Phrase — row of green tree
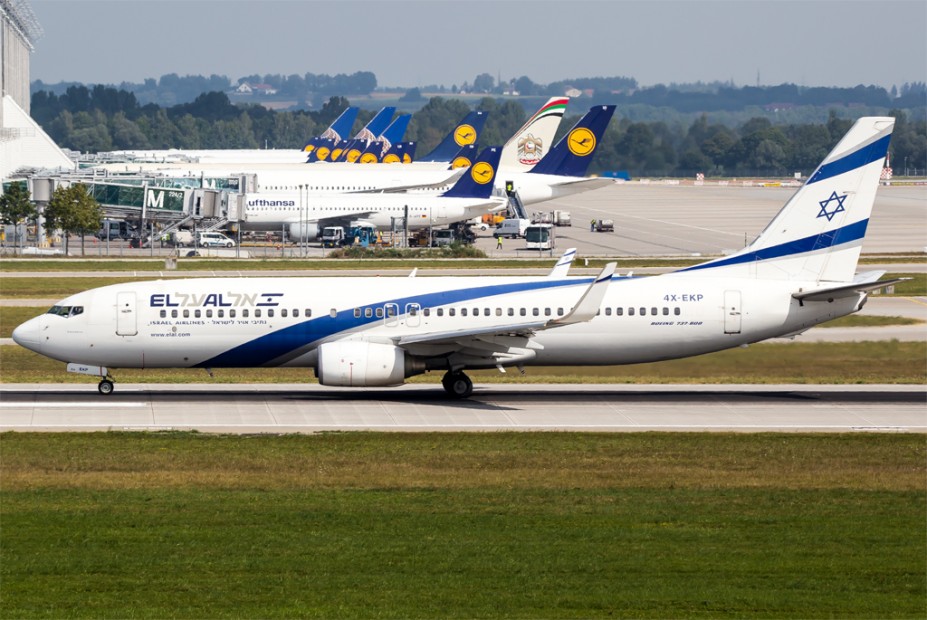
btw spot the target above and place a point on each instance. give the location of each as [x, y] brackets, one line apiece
[71, 209]
[313, 89]
[104, 119]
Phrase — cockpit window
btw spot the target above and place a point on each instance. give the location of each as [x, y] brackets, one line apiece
[66, 311]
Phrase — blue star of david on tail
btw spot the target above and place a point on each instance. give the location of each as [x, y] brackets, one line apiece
[825, 203]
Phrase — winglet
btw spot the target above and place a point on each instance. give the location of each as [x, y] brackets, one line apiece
[562, 268]
[588, 305]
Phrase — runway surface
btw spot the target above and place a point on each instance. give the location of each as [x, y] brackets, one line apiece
[309, 408]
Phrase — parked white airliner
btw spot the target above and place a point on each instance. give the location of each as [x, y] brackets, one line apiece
[377, 331]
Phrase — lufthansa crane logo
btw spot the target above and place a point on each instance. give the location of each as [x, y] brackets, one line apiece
[335, 154]
[406, 158]
[352, 155]
[461, 162]
[464, 135]
[322, 153]
[368, 158]
[581, 142]
[392, 158]
[481, 172]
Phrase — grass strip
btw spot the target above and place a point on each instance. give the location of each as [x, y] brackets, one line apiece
[792, 362]
[491, 525]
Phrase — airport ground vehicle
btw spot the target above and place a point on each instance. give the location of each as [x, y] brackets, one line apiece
[332, 236]
[114, 229]
[605, 225]
[540, 237]
[179, 238]
[512, 227]
[562, 218]
[213, 240]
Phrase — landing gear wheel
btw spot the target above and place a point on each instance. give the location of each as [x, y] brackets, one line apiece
[106, 387]
[457, 384]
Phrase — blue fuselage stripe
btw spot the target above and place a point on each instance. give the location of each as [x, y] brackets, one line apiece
[269, 347]
[828, 239]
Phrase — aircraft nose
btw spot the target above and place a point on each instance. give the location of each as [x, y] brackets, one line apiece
[29, 333]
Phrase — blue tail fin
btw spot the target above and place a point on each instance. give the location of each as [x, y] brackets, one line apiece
[571, 156]
[464, 157]
[322, 150]
[466, 132]
[396, 130]
[372, 153]
[338, 130]
[478, 181]
[401, 152]
[376, 125]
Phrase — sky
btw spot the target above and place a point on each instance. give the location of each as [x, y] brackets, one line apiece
[418, 43]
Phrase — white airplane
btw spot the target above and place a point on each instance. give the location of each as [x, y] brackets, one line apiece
[377, 331]
[304, 215]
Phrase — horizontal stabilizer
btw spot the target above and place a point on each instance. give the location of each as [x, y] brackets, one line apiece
[863, 283]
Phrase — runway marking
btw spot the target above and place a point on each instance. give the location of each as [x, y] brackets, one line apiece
[54, 405]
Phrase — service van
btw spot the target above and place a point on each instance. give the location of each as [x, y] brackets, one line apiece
[213, 240]
[512, 227]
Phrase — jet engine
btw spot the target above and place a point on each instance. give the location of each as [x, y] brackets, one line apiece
[360, 364]
[304, 230]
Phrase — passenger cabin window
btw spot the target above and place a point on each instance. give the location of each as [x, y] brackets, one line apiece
[257, 313]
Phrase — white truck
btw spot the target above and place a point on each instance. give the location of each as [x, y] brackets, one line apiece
[562, 218]
[512, 227]
[332, 236]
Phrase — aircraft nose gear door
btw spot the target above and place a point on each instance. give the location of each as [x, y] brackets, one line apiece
[126, 324]
[732, 315]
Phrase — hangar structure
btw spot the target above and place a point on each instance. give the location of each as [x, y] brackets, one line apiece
[23, 144]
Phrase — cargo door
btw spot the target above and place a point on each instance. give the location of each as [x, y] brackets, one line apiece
[732, 312]
[126, 314]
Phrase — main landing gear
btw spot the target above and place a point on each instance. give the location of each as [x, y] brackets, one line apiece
[457, 384]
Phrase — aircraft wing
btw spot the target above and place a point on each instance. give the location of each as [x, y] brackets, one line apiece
[511, 342]
[436, 186]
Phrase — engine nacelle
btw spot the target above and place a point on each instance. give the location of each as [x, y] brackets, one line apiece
[303, 230]
[360, 364]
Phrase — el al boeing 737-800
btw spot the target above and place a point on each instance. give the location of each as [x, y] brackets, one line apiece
[377, 331]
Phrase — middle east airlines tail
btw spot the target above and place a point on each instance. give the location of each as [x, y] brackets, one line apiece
[465, 132]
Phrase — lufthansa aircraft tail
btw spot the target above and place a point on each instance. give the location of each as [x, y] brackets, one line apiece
[477, 182]
[400, 153]
[571, 156]
[466, 132]
[529, 144]
[818, 234]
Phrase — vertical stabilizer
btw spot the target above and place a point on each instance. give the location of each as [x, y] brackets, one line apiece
[477, 182]
[529, 144]
[465, 132]
[818, 234]
[573, 153]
